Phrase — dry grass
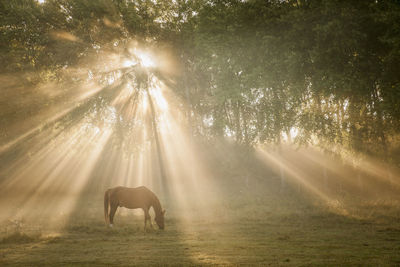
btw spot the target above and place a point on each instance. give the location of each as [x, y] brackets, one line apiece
[280, 230]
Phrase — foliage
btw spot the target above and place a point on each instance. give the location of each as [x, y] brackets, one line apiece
[321, 72]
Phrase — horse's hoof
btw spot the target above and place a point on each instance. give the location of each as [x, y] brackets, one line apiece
[111, 225]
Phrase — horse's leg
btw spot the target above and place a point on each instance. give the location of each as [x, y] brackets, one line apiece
[146, 217]
[112, 213]
[151, 224]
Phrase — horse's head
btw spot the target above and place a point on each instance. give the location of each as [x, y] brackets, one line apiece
[160, 219]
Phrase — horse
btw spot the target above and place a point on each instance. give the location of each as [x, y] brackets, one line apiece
[133, 198]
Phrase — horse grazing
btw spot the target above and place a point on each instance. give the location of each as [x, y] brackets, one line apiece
[133, 198]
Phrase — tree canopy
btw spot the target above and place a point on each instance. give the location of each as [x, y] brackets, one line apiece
[305, 71]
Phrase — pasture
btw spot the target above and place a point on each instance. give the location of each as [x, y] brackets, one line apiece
[253, 226]
[268, 130]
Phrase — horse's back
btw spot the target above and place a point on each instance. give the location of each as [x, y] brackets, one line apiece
[138, 197]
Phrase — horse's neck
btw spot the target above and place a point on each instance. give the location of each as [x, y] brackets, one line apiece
[156, 206]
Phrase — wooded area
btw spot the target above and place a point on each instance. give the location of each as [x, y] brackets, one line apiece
[313, 72]
[269, 131]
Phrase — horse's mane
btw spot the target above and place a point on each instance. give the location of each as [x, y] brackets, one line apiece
[156, 205]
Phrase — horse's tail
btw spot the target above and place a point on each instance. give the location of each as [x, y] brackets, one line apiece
[106, 204]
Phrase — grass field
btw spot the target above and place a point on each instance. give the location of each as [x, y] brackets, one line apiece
[249, 228]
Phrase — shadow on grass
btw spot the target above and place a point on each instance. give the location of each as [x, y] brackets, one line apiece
[88, 242]
[256, 230]
[19, 238]
[251, 226]
[291, 229]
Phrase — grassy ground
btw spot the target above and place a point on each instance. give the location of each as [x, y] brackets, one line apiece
[248, 230]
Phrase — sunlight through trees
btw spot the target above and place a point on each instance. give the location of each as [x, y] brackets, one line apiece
[201, 101]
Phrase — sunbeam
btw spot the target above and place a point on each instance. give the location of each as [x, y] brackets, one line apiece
[196, 133]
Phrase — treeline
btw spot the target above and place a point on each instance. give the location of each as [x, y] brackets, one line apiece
[321, 72]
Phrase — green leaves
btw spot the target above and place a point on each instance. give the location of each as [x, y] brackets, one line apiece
[257, 69]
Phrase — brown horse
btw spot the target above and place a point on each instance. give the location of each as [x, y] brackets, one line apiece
[133, 198]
